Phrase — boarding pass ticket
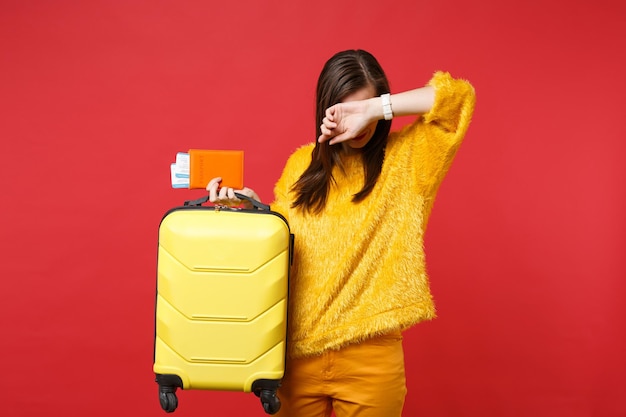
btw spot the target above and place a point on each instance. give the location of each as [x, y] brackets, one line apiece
[179, 171]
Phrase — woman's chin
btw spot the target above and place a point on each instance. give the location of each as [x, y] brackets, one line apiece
[360, 141]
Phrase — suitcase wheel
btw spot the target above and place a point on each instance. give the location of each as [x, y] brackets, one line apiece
[167, 398]
[167, 391]
[266, 389]
[168, 401]
[270, 402]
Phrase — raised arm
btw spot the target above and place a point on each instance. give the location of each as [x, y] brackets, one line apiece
[412, 102]
[345, 121]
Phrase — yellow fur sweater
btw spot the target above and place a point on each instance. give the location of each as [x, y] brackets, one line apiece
[359, 269]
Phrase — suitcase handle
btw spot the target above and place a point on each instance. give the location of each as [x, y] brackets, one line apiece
[255, 203]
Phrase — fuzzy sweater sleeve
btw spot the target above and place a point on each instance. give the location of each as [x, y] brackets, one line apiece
[453, 107]
[434, 138]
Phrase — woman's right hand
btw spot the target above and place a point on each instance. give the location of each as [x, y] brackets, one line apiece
[226, 195]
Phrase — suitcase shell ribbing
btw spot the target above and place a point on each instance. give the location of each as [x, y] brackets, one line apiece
[221, 305]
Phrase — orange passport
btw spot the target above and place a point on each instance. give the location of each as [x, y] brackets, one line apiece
[205, 165]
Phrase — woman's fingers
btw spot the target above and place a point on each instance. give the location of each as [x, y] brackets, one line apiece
[328, 123]
[212, 187]
[330, 113]
[248, 193]
[214, 182]
[326, 131]
[226, 195]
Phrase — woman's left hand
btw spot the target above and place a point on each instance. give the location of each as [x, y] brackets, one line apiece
[345, 121]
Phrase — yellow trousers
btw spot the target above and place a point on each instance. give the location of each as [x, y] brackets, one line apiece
[365, 380]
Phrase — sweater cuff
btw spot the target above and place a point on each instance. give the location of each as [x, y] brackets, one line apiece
[454, 102]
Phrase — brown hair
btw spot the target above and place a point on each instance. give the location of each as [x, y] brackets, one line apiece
[343, 74]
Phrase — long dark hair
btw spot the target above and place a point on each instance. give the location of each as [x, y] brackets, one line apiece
[343, 74]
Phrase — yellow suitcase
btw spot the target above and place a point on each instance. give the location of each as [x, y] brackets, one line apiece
[221, 305]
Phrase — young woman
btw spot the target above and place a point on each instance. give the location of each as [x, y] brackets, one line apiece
[358, 201]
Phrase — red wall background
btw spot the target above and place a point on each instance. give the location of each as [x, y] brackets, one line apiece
[526, 242]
